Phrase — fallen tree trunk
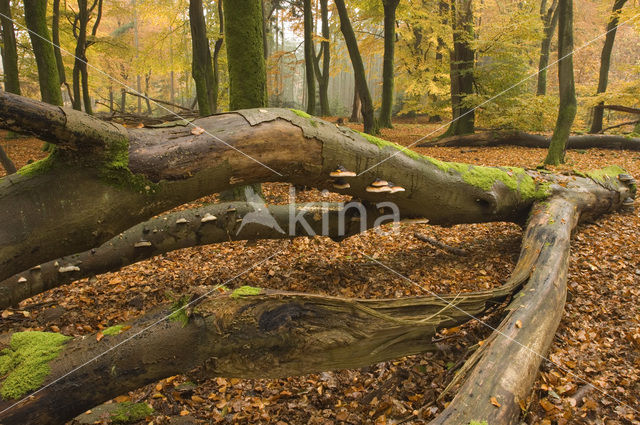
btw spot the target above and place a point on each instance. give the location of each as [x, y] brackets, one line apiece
[231, 221]
[528, 140]
[103, 178]
[247, 333]
[622, 108]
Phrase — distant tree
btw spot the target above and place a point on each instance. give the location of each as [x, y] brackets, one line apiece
[309, 57]
[322, 75]
[83, 42]
[462, 59]
[568, 102]
[216, 53]
[390, 7]
[370, 123]
[9, 51]
[550, 22]
[202, 65]
[605, 63]
[35, 15]
[55, 37]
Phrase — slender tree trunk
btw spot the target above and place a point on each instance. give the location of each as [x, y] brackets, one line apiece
[123, 100]
[550, 22]
[55, 37]
[356, 109]
[6, 162]
[386, 109]
[9, 50]
[462, 59]
[247, 70]
[309, 58]
[325, 49]
[216, 53]
[370, 122]
[202, 67]
[605, 63]
[568, 102]
[35, 15]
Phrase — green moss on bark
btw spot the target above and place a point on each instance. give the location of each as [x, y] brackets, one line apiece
[26, 362]
[113, 330]
[128, 412]
[244, 291]
[179, 310]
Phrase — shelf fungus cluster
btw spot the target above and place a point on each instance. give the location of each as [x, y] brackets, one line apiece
[383, 186]
[339, 173]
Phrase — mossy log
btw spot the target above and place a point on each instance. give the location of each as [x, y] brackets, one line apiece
[528, 140]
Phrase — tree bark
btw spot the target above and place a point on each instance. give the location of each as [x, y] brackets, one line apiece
[165, 234]
[568, 102]
[202, 66]
[322, 75]
[356, 109]
[520, 138]
[370, 123]
[6, 162]
[81, 95]
[169, 166]
[605, 63]
[35, 15]
[386, 109]
[550, 22]
[247, 70]
[309, 57]
[216, 53]
[462, 62]
[9, 50]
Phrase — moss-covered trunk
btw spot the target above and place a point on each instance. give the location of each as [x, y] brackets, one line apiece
[461, 62]
[550, 22]
[568, 102]
[370, 122]
[386, 109]
[9, 50]
[309, 58]
[35, 15]
[605, 63]
[201, 65]
[247, 70]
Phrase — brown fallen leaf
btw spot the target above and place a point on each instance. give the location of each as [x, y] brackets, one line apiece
[518, 324]
[495, 402]
[197, 131]
[99, 335]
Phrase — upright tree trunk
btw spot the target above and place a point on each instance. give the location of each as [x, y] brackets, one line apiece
[605, 62]
[6, 162]
[568, 103]
[35, 15]
[247, 70]
[81, 93]
[462, 59]
[390, 7]
[216, 53]
[356, 109]
[309, 58]
[550, 22]
[9, 50]
[202, 67]
[55, 37]
[325, 51]
[370, 123]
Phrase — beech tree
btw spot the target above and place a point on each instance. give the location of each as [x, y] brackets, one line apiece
[323, 74]
[35, 16]
[309, 57]
[568, 101]
[550, 22]
[605, 63]
[202, 65]
[9, 50]
[109, 178]
[388, 69]
[83, 41]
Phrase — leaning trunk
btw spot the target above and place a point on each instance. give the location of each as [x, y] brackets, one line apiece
[605, 63]
[370, 123]
[568, 103]
[35, 15]
[390, 7]
[9, 51]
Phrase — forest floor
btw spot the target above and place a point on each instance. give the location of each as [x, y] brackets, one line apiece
[598, 340]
